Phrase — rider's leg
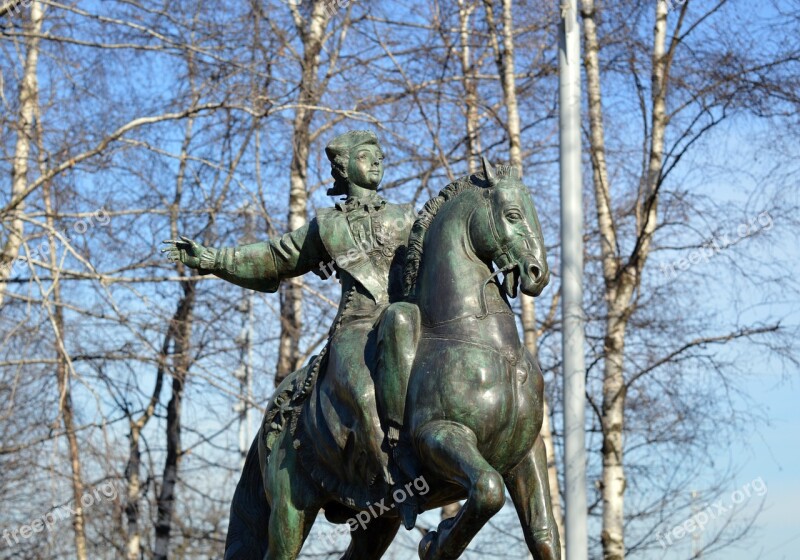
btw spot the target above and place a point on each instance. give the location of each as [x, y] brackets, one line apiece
[451, 450]
[399, 335]
[400, 330]
[370, 543]
[527, 483]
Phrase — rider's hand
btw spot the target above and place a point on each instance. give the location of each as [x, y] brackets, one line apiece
[184, 250]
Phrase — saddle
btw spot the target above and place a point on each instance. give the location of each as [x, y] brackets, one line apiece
[330, 410]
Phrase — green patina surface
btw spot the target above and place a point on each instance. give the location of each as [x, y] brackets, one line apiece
[423, 377]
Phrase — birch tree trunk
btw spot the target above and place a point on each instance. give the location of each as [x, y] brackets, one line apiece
[63, 370]
[313, 36]
[468, 71]
[55, 312]
[179, 331]
[166, 498]
[465, 11]
[28, 95]
[622, 276]
[133, 537]
[613, 474]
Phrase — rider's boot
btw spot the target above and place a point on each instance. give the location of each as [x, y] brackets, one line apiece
[403, 468]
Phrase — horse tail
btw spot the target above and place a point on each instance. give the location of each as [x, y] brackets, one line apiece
[248, 526]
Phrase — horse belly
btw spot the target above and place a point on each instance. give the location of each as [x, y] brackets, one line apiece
[479, 388]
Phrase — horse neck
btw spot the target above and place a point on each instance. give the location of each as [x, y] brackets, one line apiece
[451, 274]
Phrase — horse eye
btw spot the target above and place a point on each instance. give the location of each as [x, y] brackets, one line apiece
[513, 216]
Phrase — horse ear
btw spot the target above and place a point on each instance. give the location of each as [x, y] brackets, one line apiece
[488, 172]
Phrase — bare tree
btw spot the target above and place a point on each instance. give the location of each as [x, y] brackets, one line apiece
[624, 249]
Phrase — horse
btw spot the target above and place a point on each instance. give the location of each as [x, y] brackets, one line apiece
[474, 402]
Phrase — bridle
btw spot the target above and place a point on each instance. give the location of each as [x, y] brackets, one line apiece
[504, 261]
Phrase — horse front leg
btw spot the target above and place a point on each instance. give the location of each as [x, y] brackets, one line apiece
[530, 491]
[450, 450]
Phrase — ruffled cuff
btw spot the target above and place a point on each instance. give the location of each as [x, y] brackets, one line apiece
[208, 259]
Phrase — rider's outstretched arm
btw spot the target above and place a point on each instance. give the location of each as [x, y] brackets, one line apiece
[261, 266]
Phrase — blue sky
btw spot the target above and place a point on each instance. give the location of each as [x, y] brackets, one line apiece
[770, 452]
[774, 455]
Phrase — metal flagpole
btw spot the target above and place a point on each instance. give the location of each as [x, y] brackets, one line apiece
[571, 281]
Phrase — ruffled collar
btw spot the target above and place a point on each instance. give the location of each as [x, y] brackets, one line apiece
[372, 201]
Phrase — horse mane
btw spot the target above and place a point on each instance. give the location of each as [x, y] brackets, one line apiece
[426, 216]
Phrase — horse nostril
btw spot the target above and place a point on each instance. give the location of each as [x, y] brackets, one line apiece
[535, 272]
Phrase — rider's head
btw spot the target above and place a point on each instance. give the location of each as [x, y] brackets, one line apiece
[356, 159]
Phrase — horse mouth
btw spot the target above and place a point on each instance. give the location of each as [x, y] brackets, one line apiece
[511, 282]
[533, 278]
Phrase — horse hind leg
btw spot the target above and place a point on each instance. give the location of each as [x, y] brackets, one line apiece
[294, 501]
[371, 542]
[530, 491]
[451, 450]
[288, 529]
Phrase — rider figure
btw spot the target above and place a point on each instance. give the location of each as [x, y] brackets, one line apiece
[363, 240]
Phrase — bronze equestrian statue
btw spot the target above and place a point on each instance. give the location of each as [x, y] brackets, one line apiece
[423, 377]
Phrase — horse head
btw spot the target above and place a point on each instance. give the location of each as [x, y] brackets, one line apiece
[506, 231]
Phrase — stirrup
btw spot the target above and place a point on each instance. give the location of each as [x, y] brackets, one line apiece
[393, 436]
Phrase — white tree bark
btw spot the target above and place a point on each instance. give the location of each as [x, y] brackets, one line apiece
[313, 36]
[133, 537]
[28, 95]
[179, 333]
[468, 74]
[63, 368]
[621, 277]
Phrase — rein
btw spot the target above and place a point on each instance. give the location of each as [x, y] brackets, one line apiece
[484, 307]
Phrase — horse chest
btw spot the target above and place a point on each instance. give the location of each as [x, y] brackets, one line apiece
[473, 385]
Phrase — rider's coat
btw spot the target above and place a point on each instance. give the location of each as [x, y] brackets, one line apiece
[361, 240]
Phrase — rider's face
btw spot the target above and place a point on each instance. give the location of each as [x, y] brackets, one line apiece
[365, 168]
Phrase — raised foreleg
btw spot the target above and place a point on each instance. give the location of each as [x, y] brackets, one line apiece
[451, 450]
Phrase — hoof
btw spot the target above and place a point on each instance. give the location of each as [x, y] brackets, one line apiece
[427, 546]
